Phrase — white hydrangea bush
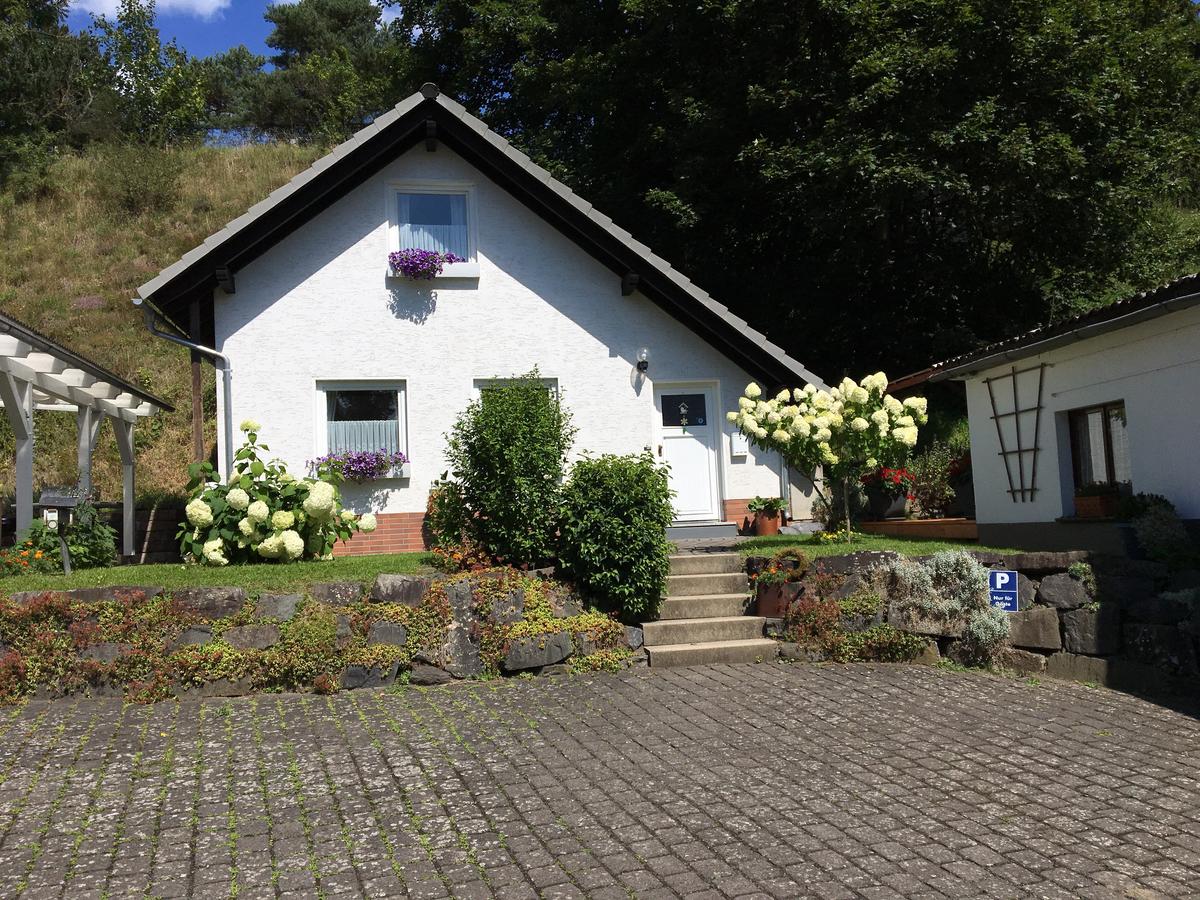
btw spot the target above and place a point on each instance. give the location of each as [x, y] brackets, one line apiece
[833, 437]
[264, 514]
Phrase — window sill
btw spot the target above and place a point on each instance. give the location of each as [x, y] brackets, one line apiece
[453, 270]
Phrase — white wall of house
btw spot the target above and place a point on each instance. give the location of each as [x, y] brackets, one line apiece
[320, 305]
[1153, 367]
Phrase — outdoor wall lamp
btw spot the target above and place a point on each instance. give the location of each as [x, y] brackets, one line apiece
[643, 360]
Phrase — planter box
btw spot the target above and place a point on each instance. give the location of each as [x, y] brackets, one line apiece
[1096, 507]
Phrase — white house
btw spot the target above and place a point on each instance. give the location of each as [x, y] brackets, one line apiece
[330, 351]
[1105, 398]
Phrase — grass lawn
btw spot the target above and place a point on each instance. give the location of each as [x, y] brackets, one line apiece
[815, 549]
[255, 579]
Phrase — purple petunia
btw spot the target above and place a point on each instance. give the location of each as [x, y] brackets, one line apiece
[424, 264]
[362, 465]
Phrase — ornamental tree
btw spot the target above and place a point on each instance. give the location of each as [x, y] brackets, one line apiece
[842, 434]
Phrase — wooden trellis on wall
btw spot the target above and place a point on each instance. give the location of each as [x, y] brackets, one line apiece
[1020, 455]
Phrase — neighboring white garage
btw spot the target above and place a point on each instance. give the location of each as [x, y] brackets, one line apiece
[1103, 402]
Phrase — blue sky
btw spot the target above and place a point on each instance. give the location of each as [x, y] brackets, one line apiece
[201, 27]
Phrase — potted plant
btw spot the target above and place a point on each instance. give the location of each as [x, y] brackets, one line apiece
[888, 491]
[766, 514]
[775, 587]
[361, 466]
[1096, 501]
[420, 264]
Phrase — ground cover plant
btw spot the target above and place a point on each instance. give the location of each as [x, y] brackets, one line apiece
[816, 546]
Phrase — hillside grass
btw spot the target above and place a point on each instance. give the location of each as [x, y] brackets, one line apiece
[72, 244]
[295, 576]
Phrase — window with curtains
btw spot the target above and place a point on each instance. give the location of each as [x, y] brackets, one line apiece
[363, 415]
[438, 216]
[1100, 445]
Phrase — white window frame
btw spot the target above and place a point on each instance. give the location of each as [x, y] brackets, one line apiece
[321, 386]
[468, 269]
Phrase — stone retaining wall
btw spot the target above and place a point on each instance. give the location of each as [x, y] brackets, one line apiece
[1139, 629]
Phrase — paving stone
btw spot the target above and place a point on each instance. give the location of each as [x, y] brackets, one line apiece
[861, 781]
[1022, 661]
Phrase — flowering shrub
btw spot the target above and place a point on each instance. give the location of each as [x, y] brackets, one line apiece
[360, 465]
[263, 512]
[27, 557]
[844, 432]
[420, 264]
[932, 470]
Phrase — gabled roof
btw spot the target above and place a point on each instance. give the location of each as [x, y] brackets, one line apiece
[1176, 295]
[431, 117]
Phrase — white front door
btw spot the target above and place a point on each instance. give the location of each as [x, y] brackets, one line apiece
[688, 440]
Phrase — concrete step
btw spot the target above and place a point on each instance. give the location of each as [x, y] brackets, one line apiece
[700, 631]
[715, 583]
[760, 650]
[707, 563]
[703, 606]
[702, 531]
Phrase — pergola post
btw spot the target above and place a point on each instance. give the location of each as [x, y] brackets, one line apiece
[124, 432]
[18, 404]
[87, 422]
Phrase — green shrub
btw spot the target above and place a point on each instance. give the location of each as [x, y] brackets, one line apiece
[263, 513]
[91, 541]
[883, 643]
[139, 178]
[1084, 574]
[1134, 505]
[616, 510]
[446, 514]
[508, 453]
[1163, 536]
[930, 473]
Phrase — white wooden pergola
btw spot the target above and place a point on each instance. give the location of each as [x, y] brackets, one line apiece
[37, 373]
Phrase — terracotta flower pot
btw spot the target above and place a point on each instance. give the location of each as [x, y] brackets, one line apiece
[766, 524]
[772, 600]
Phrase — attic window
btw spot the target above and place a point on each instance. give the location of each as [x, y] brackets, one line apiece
[438, 216]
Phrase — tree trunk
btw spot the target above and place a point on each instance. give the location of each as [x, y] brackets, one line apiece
[846, 505]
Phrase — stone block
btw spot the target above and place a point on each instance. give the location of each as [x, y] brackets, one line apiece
[1157, 611]
[191, 637]
[222, 687]
[106, 651]
[252, 637]
[344, 631]
[633, 637]
[1034, 564]
[912, 621]
[1021, 661]
[390, 633]
[566, 603]
[336, 593]
[858, 562]
[508, 609]
[1035, 628]
[802, 652]
[425, 675]
[851, 585]
[1076, 667]
[929, 656]
[1165, 647]
[1094, 632]
[1126, 591]
[556, 669]
[277, 606]
[408, 590]
[1062, 592]
[356, 676]
[211, 602]
[98, 594]
[537, 651]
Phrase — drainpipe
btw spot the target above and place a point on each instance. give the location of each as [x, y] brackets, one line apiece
[219, 359]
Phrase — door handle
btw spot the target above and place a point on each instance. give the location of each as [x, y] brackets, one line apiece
[660, 450]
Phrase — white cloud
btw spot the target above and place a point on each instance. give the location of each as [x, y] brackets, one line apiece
[203, 9]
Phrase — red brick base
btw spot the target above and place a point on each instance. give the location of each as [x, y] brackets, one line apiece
[396, 533]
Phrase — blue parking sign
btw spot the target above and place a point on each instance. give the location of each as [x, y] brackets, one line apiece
[1002, 586]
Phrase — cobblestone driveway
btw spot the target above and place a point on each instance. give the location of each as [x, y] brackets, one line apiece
[762, 780]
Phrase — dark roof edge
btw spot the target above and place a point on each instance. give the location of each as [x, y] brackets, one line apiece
[709, 319]
[1122, 314]
[26, 333]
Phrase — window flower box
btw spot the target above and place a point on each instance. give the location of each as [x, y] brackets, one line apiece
[362, 466]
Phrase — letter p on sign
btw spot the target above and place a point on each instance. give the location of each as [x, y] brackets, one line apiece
[1002, 589]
